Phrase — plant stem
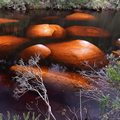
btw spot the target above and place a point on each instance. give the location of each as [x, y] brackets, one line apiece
[80, 106]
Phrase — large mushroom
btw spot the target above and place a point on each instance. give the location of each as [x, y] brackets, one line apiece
[80, 16]
[39, 31]
[35, 49]
[51, 31]
[9, 43]
[87, 31]
[78, 53]
[5, 20]
[56, 82]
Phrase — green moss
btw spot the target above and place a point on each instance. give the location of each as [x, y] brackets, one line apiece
[104, 104]
[98, 4]
[17, 117]
[59, 4]
[113, 73]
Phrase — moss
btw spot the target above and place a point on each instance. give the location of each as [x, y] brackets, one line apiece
[59, 4]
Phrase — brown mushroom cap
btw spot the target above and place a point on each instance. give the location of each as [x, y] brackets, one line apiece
[35, 49]
[9, 43]
[57, 81]
[77, 11]
[80, 16]
[40, 31]
[5, 20]
[50, 18]
[87, 31]
[77, 53]
[59, 32]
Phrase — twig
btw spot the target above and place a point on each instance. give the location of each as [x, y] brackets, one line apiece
[31, 80]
